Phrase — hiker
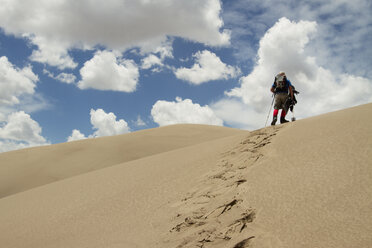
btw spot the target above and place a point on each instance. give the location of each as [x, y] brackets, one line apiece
[280, 88]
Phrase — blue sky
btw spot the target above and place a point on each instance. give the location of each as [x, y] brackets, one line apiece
[82, 69]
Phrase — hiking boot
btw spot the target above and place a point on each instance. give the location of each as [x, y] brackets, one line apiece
[274, 121]
[283, 120]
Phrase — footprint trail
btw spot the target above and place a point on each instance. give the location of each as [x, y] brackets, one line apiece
[214, 214]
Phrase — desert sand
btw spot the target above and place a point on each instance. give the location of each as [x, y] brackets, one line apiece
[302, 184]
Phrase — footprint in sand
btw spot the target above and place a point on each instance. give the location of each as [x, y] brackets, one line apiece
[209, 223]
[244, 243]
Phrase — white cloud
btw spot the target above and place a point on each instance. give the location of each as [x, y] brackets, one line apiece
[334, 47]
[17, 91]
[105, 71]
[139, 122]
[20, 131]
[156, 56]
[236, 114]
[207, 67]
[183, 111]
[106, 124]
[6, 146]
[150, 61]
[15, 82]
[57, 26]
[76, 135]
[282, 48]
[67, 78]
[21, 127]
[51, 52]
[165, 50]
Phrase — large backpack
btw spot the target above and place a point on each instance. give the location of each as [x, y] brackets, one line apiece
[280, 82]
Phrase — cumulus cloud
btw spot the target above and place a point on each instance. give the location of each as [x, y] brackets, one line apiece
[20, 131]
[15, 82]
[337, 20]
[183, 111]
[57, 26]
[17, 91]
[106, 71]
[282, 48]
[51, 52]
[207, 67]
[76, 135]
[236, 114]
[104, 124]
[21, 127]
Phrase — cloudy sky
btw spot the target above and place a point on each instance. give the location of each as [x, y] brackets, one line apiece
[82, 69]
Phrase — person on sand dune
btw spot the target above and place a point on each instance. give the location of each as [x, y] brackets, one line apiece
[280, 88]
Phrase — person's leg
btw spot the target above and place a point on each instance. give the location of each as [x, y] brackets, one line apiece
[275, 117]
[279, 104]
[276, 109]
[282, 116]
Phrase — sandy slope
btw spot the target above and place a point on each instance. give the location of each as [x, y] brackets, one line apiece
[303, 184]
[121, 204]
[319, 194]
[28, 168]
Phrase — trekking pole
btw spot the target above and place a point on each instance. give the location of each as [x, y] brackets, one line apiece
[272, 102]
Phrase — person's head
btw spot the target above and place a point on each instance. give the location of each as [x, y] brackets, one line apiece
[281, 75]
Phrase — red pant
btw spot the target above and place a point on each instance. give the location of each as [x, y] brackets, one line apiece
[276, 111]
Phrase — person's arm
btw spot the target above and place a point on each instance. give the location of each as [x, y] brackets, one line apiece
[291, 92]
[290, 89]
[273, 87]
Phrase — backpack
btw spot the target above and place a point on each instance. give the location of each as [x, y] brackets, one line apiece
[280, 82]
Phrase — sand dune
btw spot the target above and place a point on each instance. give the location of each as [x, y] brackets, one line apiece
[122, 205]
[302, 184]
[25, 169]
